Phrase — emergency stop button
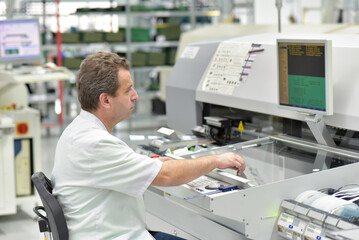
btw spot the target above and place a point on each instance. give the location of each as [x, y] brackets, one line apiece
[22, 128]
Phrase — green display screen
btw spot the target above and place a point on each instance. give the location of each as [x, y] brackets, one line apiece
[302, 76]
[306, 91]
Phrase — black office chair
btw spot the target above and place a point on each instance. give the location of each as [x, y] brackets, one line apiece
[54, 223]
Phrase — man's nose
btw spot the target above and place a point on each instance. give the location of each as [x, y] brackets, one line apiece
[135, 95]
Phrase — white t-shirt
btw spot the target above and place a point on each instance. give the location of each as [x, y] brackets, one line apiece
[100, 182]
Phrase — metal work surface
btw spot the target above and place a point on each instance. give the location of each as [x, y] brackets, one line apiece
[278, 168]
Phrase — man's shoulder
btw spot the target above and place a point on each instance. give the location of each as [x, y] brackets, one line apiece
[82, 128]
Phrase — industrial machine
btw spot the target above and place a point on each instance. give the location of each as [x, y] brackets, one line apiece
[20, 130]
[287, 104]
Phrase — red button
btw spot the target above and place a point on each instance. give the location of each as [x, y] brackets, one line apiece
[22, 128]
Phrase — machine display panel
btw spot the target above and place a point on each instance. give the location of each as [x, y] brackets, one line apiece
[304, 76]
[20, 42]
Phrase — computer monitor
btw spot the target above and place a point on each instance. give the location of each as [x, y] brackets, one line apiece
[304, 75]
[20, 42]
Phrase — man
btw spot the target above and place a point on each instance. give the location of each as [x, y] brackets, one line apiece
[97, 178]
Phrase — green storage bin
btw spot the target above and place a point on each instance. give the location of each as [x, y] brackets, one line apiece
[70, 37]
[140, 35]
[138, 8]
[180, 8]
[115, 37]
[83, 10]
[171, 32]
[171, 56]
[139, 59]
[72, 62]
[92, 37]
[156, 58]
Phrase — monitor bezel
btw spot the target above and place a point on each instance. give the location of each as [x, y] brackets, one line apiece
[36, 59]
[328, 76]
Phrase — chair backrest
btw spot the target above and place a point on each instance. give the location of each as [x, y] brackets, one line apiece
[54, 213]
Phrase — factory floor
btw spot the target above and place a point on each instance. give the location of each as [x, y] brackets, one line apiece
[23, 224]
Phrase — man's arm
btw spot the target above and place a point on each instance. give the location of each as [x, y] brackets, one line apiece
[177, 172]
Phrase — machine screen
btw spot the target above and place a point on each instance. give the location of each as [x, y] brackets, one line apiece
[304, 75]
[20, 42]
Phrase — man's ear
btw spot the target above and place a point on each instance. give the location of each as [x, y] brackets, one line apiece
[104, 100]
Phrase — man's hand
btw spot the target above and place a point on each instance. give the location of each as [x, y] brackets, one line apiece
[231, 160]
[180, 171]
[163, 159]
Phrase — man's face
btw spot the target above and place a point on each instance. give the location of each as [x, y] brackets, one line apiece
[124, 101]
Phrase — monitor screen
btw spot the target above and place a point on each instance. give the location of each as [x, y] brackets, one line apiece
[20, 42]
[304, 76]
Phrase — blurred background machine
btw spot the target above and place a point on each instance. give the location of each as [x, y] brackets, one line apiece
[287, 104]
[21, 65]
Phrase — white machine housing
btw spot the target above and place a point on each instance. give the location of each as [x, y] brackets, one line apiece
[15, 183]
[252, 212]
[7, 179]
[259, 93]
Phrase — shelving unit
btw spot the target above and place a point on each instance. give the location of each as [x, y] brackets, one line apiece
[116, 15]
[128, 45]
[135, 19]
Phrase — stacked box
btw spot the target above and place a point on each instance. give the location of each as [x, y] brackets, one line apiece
[70, 37]
[137, 8]
[118, 9]
[92, 37]
[140, 35]
[83, 10]
[156, 58]
[171, 56]
[139, 59]
[171, 32]
[180, 8]
[115, 37]
[72, 62]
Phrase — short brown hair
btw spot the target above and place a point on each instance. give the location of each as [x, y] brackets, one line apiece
[98, 74]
